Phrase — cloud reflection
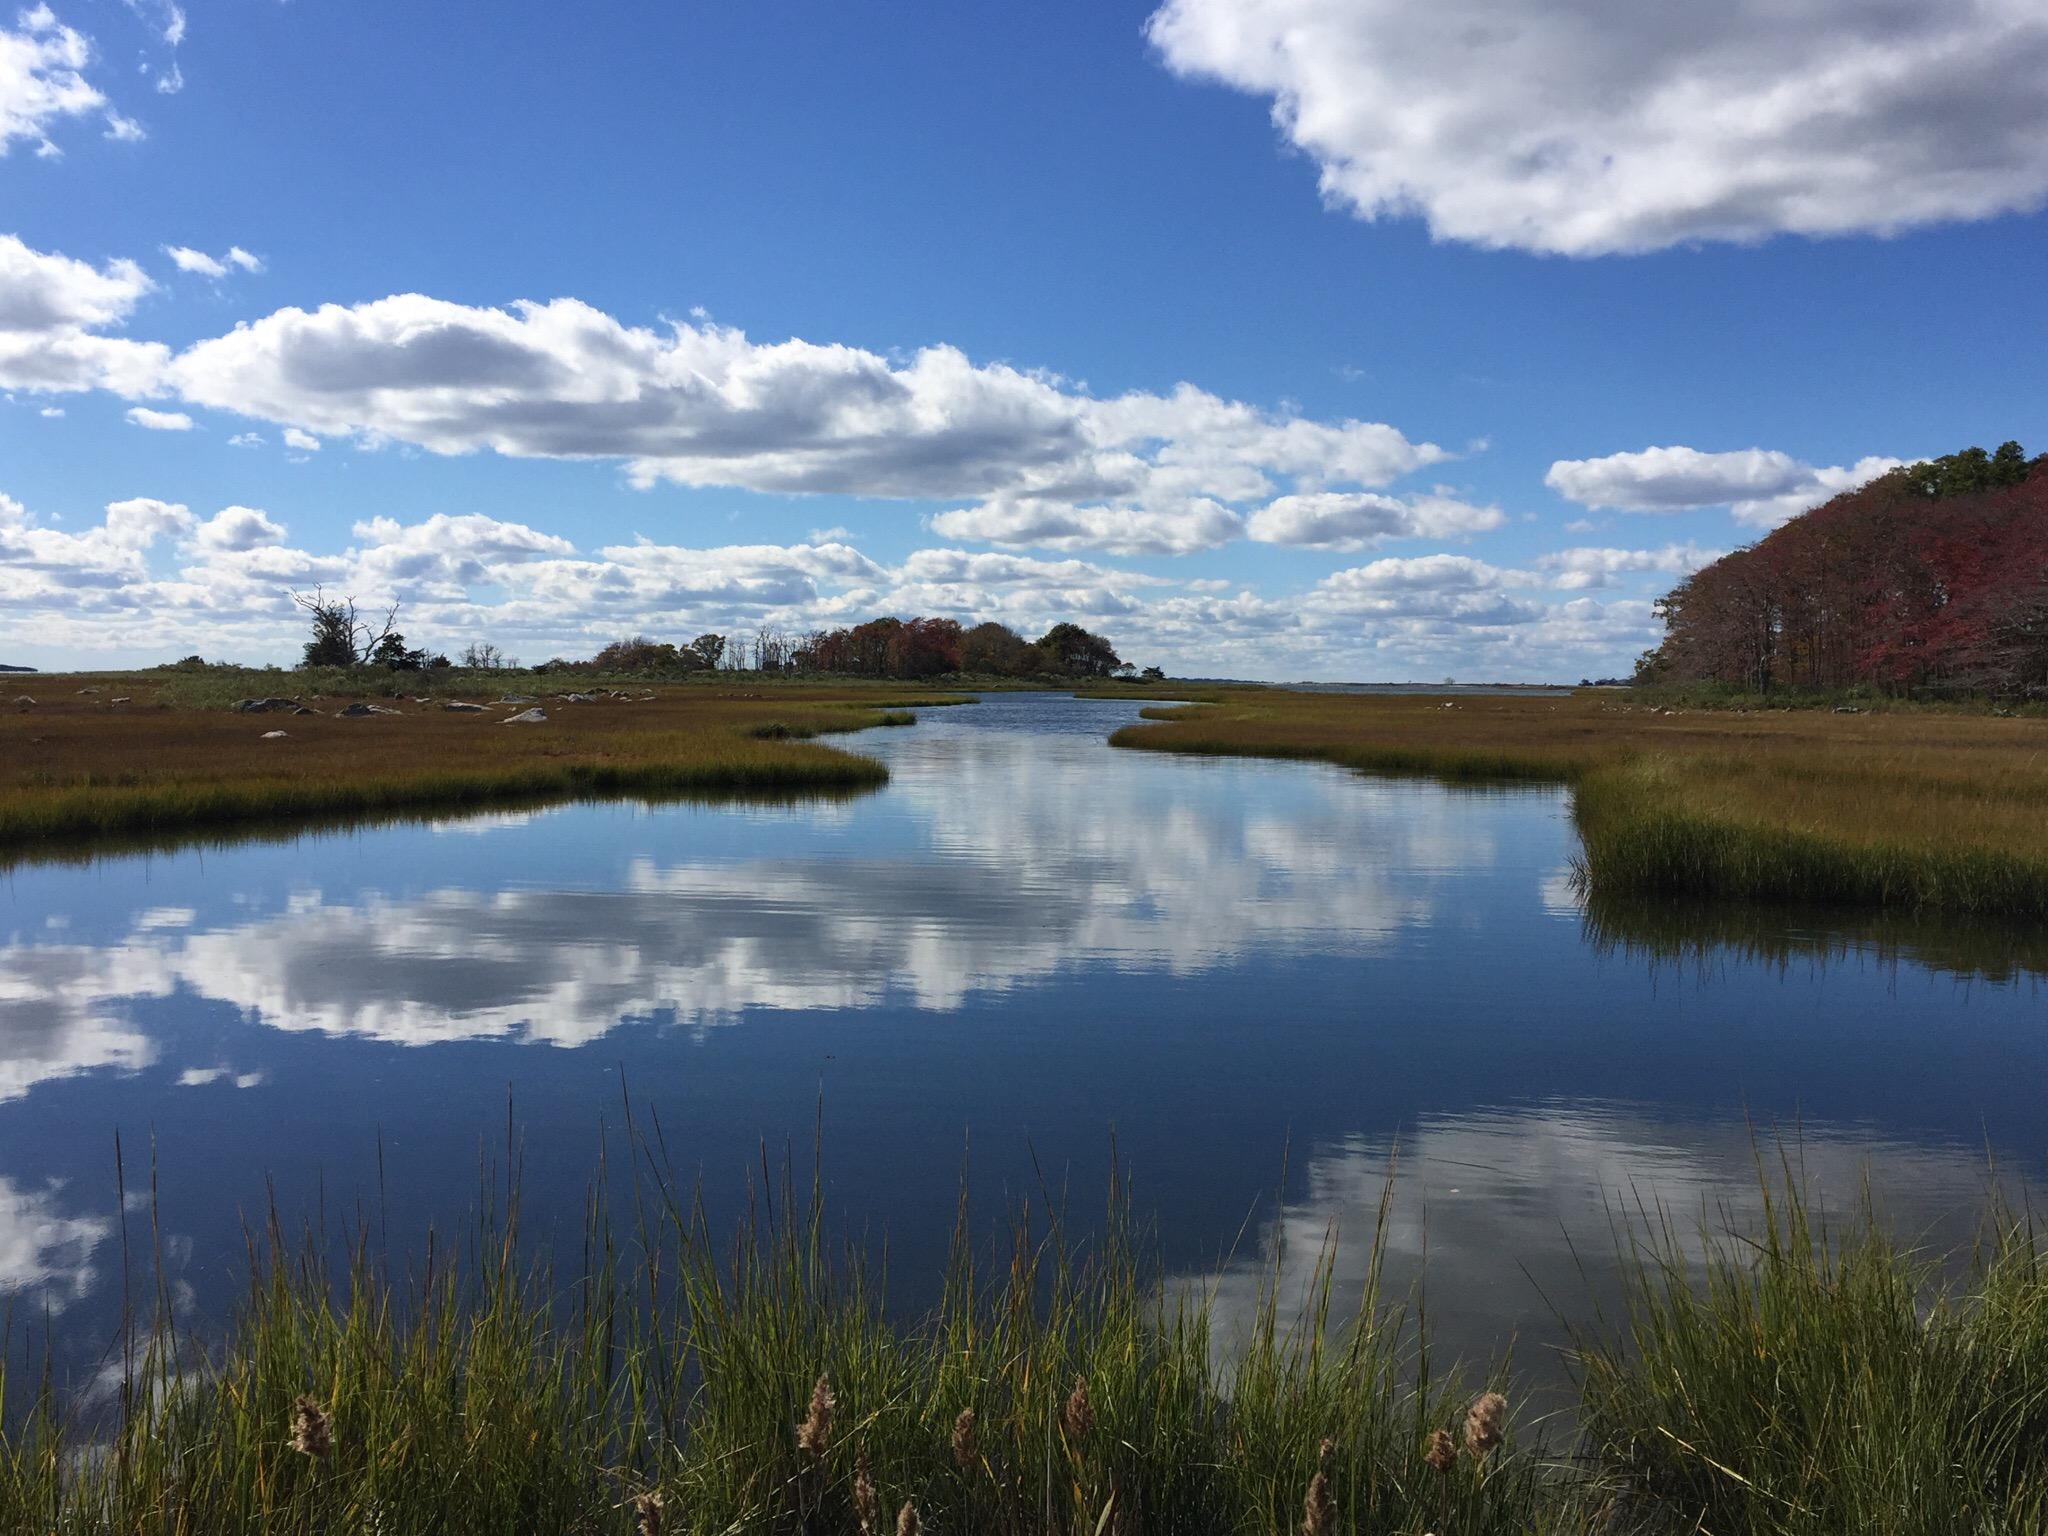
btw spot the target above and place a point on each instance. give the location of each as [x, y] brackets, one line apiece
[1003, 866]
[1510, 1216]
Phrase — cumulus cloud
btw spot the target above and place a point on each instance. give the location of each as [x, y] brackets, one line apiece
[48, 570]
[1353, 521]
[470, 576]
[186, 259]
[1761, 486]
[159, 421]
[1038, 460]
[52, 313]
[702, 405]
[1026, 521]
[1581, 568]
[42, 79]
[1612, 126]
[238, 528]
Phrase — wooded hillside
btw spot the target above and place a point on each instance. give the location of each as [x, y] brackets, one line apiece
[1933, 578]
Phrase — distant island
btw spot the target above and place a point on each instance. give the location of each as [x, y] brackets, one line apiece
[4, 667]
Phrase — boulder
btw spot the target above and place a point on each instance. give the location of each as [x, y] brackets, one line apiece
[463, 709]
[359, 711]
[273, 736]
[267, 706]
[24, 702]
[529, 717]
[122, 699]
[577, 698]
[518, 698]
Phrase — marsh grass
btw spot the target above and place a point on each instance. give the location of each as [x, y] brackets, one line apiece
[76, 768]
[1787, 1378]
[1925, 811]
[1804, 1380]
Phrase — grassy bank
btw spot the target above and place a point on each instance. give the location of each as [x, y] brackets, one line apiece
[1904, 811]
[154, 755]
[1793, 1383]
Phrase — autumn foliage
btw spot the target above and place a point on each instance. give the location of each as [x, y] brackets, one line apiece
[1930, 579]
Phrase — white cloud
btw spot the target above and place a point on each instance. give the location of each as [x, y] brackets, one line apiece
[159, 421]
[186, 259]
[1762, 486]
[42, 79]
[51, 412]
[993, 570]
[1581, 568]
[1613, 126]
[1431, 573]
[701, 405]
[1050, 524]
[1828, 481]
[238, 528]
[246, 440]
[51, 309]
[1352, 521]
[304, 442]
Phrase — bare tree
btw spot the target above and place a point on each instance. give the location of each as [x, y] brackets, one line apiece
[341, 637]
[483, 656]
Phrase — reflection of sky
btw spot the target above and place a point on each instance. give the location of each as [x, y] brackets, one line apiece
[995, 869]
[1507, 1218]
[1026, 939]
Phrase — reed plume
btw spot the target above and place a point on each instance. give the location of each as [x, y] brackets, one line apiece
[312, 1431]
[1442, 1452]
[1078, 1416]
[647, 1514]
[814, 1434]
[964, 1451]
[1319, 1509]
[867, 1504]
[1485, 1424]
[907, 1523]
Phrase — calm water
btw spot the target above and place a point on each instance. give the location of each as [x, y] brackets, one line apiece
[1252, 980]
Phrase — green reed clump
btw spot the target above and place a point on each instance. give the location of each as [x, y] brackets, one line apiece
[683, 1384]
[1789, 1380]
[1650, 827]
[1784, 1380]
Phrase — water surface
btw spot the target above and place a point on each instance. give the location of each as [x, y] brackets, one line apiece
[1253, 980]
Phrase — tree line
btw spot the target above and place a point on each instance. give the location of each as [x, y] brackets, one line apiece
[342, 636]
[1932, 578]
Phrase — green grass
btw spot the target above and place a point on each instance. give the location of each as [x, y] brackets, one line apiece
[1803, 1382]
[1786, 1380]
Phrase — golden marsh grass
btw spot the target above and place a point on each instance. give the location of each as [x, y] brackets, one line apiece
[1906, 810]
[174, 757]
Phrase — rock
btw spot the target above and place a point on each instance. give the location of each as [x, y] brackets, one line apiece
[530, 717]
[123, 699]
[518, 698]
[88, 690]
[267, 706]
[576, 698]
[463, 709]
[359, 711]
[273, 736]
[24, 702]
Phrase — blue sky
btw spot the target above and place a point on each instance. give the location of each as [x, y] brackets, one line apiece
[1273, 338]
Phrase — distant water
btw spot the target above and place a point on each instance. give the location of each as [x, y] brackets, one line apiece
[1256, 981]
